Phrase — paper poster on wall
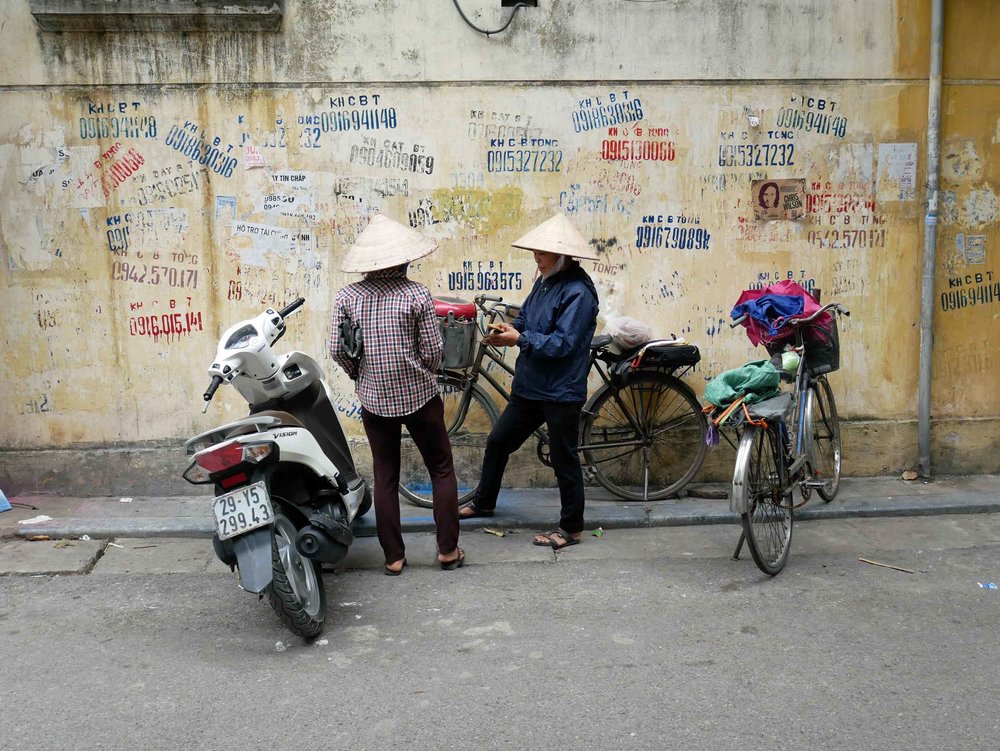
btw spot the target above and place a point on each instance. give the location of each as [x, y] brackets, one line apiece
[897, 172]
[778, 199]
[252, 157]
[975, 249]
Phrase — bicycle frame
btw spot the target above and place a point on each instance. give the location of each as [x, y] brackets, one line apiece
[469, 376]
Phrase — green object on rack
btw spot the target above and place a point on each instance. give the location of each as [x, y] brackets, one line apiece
[758, 380]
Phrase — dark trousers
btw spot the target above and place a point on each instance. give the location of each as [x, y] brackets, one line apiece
[426, 425]
[518, 421]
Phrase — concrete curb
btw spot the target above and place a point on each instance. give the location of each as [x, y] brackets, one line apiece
[517, 514]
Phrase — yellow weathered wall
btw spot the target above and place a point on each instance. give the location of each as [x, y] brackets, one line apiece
[357, 109]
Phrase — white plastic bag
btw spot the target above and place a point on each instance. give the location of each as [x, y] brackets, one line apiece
[626, 333]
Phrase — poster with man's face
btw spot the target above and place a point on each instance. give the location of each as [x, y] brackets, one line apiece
[778, 199]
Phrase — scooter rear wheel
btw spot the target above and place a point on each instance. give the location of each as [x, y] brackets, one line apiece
[296, 593]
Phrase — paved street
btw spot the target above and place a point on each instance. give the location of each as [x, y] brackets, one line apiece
[642, 639]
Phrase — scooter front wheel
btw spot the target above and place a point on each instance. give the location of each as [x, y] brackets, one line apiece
[296, 593]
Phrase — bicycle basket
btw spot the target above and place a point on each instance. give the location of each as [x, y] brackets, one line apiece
[822, 345]
[459, 336]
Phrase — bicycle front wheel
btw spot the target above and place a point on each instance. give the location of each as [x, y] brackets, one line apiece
[469, 416]
[759, 484]
[824, 427]
[645, 441]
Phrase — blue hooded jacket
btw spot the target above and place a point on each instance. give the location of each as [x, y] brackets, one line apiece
[557, 323]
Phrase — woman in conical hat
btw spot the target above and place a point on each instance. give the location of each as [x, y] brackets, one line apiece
[553, 333]
[395, 379]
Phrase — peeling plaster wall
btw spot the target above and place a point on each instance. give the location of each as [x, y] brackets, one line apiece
[151, 195]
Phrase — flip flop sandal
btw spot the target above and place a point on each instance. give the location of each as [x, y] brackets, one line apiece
[476, 512]
[568, 540]
[452, 565]
[390, 572]
[548, 539]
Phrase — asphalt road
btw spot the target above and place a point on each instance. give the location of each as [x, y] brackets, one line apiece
[642, 639]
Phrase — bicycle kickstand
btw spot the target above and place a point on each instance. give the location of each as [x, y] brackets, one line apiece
[739, 546]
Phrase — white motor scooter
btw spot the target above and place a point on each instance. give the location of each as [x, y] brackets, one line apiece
[287, 491]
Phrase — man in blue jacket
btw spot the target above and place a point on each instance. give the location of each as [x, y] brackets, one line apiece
[553, 332]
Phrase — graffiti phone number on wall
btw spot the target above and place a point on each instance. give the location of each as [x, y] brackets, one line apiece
[165, 324]
[129, 126]
[677, 238]
[523, 160]
[817, 122]
[653, 151]
[475, 281]
[848, 238]
[983, 294]
[123, 271]
[757, 155]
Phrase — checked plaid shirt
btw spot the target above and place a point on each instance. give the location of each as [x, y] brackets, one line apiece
[402, 342]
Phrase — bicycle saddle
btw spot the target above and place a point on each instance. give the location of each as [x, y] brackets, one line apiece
[600, 341]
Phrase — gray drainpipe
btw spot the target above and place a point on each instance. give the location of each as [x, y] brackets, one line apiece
[930, 241]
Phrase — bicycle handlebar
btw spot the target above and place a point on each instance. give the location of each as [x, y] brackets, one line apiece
[841, 309]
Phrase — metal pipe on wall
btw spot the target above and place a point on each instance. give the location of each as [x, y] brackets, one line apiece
[930, 240]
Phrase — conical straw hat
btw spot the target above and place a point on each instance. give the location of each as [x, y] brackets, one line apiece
[383, 244]
[557, 235]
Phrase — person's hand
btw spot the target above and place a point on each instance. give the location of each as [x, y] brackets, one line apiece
[507, 337]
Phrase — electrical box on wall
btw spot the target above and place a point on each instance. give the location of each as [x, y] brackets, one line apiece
[512, 3]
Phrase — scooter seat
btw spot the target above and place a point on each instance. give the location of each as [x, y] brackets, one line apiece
[287, 420]
[461, 309]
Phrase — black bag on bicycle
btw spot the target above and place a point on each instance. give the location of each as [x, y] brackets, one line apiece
[351, 339]
[667, 357]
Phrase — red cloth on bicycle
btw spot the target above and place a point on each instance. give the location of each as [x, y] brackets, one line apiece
[756, 331]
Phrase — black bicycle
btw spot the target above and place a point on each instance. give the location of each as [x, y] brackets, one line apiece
[642, 432]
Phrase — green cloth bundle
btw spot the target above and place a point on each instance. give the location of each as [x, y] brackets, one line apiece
[758, 380]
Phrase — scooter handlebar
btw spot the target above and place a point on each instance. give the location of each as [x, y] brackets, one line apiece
[216, 382]
[291, 307]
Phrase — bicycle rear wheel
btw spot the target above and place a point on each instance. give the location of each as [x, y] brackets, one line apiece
[759, 482]
[824, 427]
[645, 441]
[468, 432]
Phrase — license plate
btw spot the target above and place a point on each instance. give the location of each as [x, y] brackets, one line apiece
[242, 510]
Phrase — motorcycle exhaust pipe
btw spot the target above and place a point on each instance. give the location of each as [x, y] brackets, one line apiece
[315, 543]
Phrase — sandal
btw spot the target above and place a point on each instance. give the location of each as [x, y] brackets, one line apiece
[474, 512]
[566, 537]
[454, 563]
[394, 572]
[544, 540]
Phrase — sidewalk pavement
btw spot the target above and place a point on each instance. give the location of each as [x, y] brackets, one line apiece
[191, 516]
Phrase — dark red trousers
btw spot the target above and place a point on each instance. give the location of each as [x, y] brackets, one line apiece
[426, 425]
